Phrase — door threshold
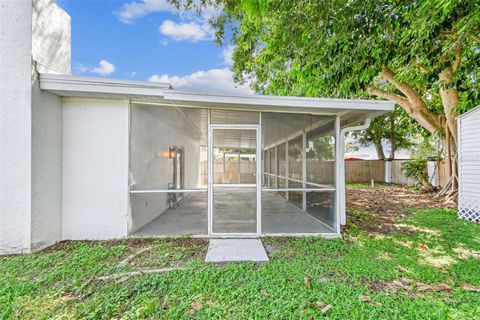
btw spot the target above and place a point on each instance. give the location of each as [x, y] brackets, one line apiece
[243, 236]
[234, 236]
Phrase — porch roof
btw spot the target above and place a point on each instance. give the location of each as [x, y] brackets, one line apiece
[154, 93]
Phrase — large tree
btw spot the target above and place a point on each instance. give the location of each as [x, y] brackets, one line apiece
[422, 55]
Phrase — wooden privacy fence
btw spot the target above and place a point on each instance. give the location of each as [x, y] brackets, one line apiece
[318, 171]
[397, 175]
[357, 171]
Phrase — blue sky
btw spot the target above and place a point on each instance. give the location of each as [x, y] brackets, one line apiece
[148, 40]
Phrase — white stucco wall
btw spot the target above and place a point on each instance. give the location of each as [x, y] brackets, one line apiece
[51, 54]
[46, 218]
[153, 130]
[95, 169]
[15, 126]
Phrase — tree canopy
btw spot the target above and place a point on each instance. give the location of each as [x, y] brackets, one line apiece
[423, 55]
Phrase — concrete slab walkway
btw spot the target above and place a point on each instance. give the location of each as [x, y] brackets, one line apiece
[236, 250]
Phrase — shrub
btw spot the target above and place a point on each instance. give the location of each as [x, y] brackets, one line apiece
[417, 170]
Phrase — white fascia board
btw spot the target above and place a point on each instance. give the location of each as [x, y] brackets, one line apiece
[69, 84]
[276, 101]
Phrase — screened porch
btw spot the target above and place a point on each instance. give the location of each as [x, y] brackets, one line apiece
[209, 172]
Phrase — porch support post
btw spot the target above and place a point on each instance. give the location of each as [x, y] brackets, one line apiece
[340, 164]
[259, 169]
[304, 170]
[339, 174]
[210, 175]
[287, 169]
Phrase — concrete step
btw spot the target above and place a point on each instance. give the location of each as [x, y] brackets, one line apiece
[236, 250]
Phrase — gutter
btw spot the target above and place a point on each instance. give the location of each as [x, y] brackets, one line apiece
[365, 125]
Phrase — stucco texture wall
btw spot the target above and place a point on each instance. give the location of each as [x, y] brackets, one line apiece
[50, 54]
[153, 130]
[95, 169]
[15, 126]
[46, 168]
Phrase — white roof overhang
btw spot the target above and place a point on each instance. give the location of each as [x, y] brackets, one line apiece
[154, 93]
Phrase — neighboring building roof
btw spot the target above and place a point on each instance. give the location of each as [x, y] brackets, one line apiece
[144, 92]
[356, 155]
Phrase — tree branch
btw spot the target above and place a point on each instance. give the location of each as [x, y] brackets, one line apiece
[417, 108]
[450, 99]
[398, 99]
[458, 59]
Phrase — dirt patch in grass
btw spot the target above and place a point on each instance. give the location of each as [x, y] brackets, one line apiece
[68, 245]
[409, 287]
[166, 253]
[132, 243]
[377, 210]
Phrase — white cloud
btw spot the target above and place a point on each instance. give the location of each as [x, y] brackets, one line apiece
[227, 55]
[104, 68]
[131, 11]
[190, 31]
[82, 68]
[164, 42]
[213, 80]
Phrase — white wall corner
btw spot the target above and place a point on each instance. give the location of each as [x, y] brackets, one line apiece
[47, 147]
[15, 126]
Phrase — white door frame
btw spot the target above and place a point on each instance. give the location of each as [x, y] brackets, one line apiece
[258, 177]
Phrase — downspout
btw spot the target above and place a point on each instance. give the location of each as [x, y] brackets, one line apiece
[365, 125]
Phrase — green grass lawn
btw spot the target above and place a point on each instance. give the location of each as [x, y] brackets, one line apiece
[431, 272]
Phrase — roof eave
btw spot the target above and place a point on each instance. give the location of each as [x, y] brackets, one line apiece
[68, 85]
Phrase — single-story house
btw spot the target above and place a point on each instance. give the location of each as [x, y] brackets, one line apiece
[469, 165]
[97, 158]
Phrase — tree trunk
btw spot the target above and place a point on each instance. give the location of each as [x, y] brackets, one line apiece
[394, 148]
[379, 149]
[393, 143]
[449, 95]
[417, 109]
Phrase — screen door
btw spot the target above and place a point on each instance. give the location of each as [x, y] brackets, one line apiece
[235, 166]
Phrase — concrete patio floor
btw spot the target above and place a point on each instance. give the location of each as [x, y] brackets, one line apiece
[234, 212]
